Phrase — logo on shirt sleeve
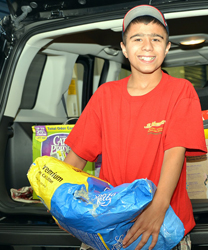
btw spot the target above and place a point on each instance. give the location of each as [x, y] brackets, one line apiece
[155, 127]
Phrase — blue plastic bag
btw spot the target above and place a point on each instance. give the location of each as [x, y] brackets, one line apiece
[94, 211]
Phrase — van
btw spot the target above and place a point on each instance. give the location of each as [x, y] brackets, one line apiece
[54, 55]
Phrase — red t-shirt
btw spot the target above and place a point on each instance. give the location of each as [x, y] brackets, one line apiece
[132, 133]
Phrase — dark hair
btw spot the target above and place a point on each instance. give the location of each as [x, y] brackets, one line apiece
[145, 20]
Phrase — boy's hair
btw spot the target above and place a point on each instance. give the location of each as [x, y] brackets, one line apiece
[145, 20]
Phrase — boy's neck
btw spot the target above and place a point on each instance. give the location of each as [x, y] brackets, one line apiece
[141, 84]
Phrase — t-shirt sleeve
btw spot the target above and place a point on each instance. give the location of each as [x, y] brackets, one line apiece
[85, 137]
[185, 127]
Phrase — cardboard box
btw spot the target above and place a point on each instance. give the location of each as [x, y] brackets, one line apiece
[197, 175]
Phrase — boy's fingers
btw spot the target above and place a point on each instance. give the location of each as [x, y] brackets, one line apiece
[143, 241]
[64, 229]
[61, 226]
[154, 241]
[131, 236]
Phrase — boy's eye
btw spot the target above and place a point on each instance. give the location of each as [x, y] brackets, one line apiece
[156, 40]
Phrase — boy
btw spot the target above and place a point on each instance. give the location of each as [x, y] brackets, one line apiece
[143, 125]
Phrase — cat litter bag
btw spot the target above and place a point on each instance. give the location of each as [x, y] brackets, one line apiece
[94, 211]
[50, 140]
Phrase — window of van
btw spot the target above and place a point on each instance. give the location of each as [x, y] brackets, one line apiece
[197, 75]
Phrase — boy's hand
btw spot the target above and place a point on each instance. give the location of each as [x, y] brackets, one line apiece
[63, 228]
[60, 225]
[146, 224]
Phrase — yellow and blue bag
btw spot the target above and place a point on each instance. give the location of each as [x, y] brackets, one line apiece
[94, 211]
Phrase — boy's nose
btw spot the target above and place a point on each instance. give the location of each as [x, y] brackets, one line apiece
[147, 45]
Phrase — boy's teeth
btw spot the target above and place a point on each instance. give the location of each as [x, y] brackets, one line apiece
[146, 58]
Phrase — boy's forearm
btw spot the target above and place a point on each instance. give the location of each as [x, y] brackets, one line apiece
[75, 160]
[170, 174]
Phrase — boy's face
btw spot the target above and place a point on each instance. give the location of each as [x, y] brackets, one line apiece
[146, 47]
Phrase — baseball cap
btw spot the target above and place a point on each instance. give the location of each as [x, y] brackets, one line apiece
[144, 10]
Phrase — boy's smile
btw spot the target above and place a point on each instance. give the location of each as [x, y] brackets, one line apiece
[146, 47]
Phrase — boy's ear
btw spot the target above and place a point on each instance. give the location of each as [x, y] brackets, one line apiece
[123, 47]
[167, 48]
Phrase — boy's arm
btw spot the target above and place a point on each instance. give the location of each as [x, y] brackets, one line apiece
[75, 160]
[150, 220]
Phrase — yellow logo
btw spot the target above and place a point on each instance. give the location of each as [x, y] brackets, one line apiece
[155, 127]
